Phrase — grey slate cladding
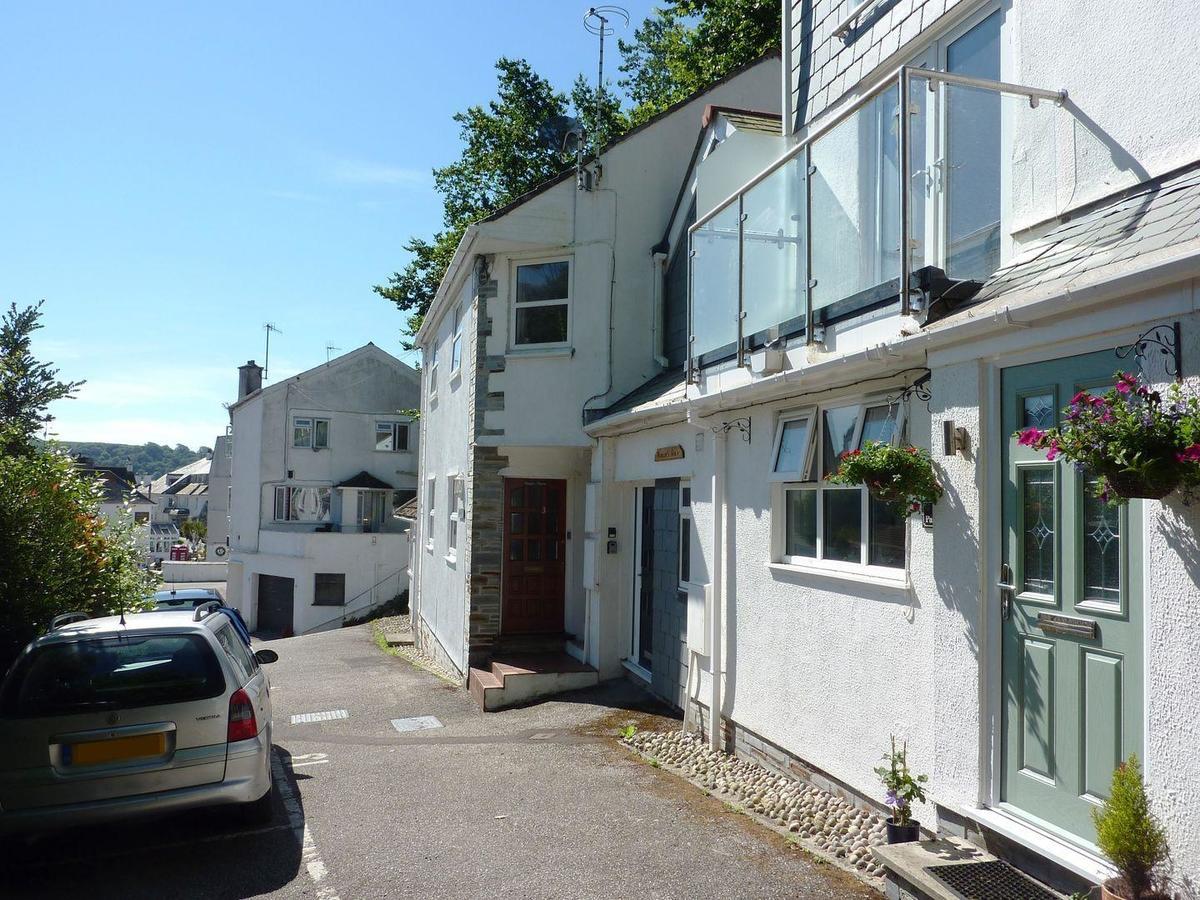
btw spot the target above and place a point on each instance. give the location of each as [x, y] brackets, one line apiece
[669, 666]
[825, 67]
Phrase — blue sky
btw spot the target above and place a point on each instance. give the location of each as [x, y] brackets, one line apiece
[174, 175]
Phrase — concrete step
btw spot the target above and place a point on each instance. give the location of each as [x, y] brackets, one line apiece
[521, 678]
[532, 643]
[398, 638]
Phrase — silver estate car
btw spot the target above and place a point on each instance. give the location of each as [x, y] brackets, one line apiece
[103, 719]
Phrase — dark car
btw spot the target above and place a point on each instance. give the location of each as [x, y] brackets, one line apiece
[190, 598]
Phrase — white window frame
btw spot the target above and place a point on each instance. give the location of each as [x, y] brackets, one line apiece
[430, 510]
[534, 304]
[396, 425]
[456, 342]
[812, 479]
[433, 376]
[686, 526]
[455, 503]
[310, 422]
[808, 414]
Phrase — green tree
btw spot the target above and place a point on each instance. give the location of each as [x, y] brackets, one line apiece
[510, 146]
[689, 44]
[194, 530]
[27, 387]
[59, 553]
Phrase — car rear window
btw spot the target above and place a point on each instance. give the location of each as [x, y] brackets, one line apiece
[112, 673]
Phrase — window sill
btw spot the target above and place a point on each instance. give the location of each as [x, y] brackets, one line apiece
[451, 560]
[429, 547]
[637, 671]
[540, 352]
[898, 582]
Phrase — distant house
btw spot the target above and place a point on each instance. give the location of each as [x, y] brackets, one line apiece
[319, 462]
[218, 497]
[118, 492]
[182, 494]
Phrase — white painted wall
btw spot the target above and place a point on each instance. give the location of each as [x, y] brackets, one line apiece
[440, 599]
[218, 492]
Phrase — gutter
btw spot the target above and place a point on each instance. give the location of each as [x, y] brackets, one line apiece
[911, 350]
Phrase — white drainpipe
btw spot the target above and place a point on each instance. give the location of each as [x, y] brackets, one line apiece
[718, 586]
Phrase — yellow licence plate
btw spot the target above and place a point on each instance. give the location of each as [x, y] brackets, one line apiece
[94, 752]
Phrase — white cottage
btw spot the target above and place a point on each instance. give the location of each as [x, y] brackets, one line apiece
[974, 216]
[319, 461]
[550, 310]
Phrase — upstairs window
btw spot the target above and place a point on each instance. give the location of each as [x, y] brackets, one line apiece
[454, 493]
[310, 433]
[835, 525]
[302, 504]
[456, 342]
[391, 436]
[430, 511]
[541, 296]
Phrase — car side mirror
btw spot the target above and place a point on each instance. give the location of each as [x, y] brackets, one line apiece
[263, 657]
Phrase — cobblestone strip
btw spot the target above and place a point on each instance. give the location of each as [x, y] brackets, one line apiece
[826, 825]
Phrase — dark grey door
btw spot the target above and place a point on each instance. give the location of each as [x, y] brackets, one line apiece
[644, 625]
[276, 604]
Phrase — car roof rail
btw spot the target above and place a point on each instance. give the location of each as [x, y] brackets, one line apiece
[205, 609]
[67, 619]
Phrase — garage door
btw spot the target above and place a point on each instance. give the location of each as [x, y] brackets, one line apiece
[276, 603]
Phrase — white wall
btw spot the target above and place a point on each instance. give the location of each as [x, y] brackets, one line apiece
[445, 441]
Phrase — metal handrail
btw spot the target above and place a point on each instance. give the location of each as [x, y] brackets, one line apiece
[845, 25]
[901, 78]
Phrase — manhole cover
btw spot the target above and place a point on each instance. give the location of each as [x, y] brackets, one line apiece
[416, 723]
[305, 718]
[991, 880]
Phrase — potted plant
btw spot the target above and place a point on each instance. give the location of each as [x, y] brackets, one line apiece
[1135, 441]
[903, 789]
[902, 477]
[1129, 835]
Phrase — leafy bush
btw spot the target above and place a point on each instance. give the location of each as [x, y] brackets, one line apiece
[1127, 832]
[1137, 443]
[902, 477]
[60, 553]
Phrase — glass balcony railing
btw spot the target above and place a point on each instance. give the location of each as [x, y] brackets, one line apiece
[817, 237]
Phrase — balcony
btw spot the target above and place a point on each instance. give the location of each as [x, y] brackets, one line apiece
[816, 238]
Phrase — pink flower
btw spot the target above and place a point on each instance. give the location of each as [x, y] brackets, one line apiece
[1126, 382]
[1053, 451]
[1082, 397]
[1189, 454]
[1030, 437]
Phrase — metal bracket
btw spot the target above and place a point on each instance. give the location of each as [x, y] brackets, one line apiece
[1166, 338]
[742, 425]
[919, 389]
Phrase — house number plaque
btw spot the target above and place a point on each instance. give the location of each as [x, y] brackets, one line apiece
[1053, 623]
[665, 454]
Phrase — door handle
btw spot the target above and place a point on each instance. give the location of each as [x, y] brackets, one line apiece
[1006, 591]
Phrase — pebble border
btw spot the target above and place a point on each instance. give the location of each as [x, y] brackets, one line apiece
[824, 824]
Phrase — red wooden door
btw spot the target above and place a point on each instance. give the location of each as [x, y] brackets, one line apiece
[535, 512]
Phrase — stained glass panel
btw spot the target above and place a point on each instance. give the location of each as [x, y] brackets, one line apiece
[1037, 411]
[1101, 549]
[1038, 535]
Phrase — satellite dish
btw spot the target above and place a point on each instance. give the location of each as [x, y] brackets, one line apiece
[556, 131]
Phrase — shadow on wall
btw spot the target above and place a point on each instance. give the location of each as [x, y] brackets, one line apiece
[954, 548]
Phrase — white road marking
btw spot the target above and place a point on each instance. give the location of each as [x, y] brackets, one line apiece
[329, 716]
[309, 855]
[308, 759]
[416, 723]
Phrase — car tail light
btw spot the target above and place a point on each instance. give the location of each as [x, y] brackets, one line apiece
[242, 724]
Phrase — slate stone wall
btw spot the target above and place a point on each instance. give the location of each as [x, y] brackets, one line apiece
[669, 666]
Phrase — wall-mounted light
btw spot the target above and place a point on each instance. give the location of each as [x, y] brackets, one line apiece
[954, 440]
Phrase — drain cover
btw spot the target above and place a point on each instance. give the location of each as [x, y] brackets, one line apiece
[991, 880]
[305, 718]
[416, 723]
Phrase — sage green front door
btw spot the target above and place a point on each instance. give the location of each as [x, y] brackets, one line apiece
[1072, 620]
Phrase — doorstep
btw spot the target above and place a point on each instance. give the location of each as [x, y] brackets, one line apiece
[912, 867]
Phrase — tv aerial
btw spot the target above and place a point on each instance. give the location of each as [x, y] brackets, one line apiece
[598, 20]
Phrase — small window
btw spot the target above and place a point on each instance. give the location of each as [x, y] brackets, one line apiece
[454, 494]
[310, 433]
[842, 525]
[329, 589]
[433, 378]
[391, 436]
[430, 511]
[302, 432]
[456, 342]
[141, 518]
[541, 298]
[685, 532]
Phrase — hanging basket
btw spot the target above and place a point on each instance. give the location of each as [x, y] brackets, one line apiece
[1153, 483]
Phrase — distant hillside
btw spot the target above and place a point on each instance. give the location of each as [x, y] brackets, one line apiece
[147, 460]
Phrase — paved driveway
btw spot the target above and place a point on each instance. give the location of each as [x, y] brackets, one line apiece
[536, 802]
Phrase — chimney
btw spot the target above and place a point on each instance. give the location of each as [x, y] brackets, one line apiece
[249, 379]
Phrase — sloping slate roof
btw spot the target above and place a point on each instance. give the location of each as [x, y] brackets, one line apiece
[367, 481]
[407, 509]
[115, 489]
[661, 390]
[1153, 221]
[749, 120]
